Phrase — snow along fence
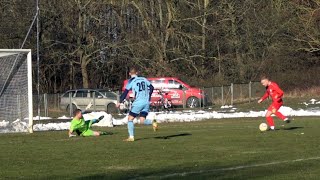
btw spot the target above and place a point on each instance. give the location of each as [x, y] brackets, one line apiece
[50, 104]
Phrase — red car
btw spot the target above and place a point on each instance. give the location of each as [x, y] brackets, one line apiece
[175, 90]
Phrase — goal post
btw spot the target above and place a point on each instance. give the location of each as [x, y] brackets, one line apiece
[16, 98]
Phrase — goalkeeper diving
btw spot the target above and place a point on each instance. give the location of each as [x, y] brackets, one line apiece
[82, 127]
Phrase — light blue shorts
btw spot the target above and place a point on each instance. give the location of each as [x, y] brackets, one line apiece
[140, 109]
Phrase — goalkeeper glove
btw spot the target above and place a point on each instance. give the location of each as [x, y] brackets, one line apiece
[100, 118]
[71, 135]
[97, 120]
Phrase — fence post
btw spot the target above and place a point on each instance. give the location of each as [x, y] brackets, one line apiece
[54, 101]
[70, 104]
[200, 97]
[184, 102]
[231, 89]
[203, 97]
[94, 101]
[118, 96]
[118, 101]
[250, 93]
[58, 98]
[222, 98]
[212, 96]
[45, 101]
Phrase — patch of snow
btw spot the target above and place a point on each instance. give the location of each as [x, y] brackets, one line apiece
[52, 126]
[41, 118]
[4, 124]
[226, 106]
[15, 126]
[177, 116]
[188, 116]
[64, 117]
[313, 101]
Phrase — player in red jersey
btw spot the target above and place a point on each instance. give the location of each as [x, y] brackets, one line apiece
[274, 91]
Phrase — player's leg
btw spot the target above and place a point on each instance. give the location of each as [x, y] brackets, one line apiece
[90, 132]
[279, 114]
[135, 110]
[105, 133]
[144, 114]
[89, 123]
[130, 126]
[269, 118]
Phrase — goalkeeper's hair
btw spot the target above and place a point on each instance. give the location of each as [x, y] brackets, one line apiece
[75, 112]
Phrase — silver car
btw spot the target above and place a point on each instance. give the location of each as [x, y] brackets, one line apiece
[89, 99]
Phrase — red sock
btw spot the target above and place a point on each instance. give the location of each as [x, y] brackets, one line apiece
[280, 115]
[270, 121]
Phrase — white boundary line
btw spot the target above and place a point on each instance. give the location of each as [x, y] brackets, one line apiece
[182, 174]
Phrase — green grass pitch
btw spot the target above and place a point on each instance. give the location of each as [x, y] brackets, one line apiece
[213, 149]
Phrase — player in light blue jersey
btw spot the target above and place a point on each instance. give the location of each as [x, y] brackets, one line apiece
[142, 90]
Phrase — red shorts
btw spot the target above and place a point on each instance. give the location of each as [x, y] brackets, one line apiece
[275, 106]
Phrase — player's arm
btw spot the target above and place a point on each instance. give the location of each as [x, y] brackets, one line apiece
[124, 95]
[73, 128]
[125, 92]
[97, 120]
[151, 88]
[264, 97]
[71, 132]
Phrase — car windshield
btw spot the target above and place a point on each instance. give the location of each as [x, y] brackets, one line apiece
[67, 94]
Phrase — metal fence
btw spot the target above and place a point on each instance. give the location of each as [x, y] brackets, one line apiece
[215, 96]
[49, 105]
[234, 93]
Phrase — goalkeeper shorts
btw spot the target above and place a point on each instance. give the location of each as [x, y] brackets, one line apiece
[87, 133]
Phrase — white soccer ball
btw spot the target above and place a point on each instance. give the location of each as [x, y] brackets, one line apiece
[263, 127]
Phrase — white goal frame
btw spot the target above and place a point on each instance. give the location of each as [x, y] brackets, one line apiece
[29, 68]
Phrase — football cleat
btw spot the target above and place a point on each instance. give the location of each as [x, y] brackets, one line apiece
[130, 139]
[272, 128]
[287, 120]
[106, 133]
[155, 125]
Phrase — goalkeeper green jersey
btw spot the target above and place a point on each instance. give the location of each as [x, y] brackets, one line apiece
[80, 125]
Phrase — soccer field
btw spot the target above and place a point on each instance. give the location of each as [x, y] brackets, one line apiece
[213, 149]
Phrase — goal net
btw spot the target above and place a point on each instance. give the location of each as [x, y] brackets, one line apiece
[16, 111]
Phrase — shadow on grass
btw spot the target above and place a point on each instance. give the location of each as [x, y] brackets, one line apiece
[292, 128]
[165, 137]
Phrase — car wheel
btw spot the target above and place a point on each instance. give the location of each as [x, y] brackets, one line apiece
[74, 107]
[112, 108]
[193, 102]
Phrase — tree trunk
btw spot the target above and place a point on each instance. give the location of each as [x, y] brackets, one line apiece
[84, 72]
[71, 77]
[235, 44]
[203, 39]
